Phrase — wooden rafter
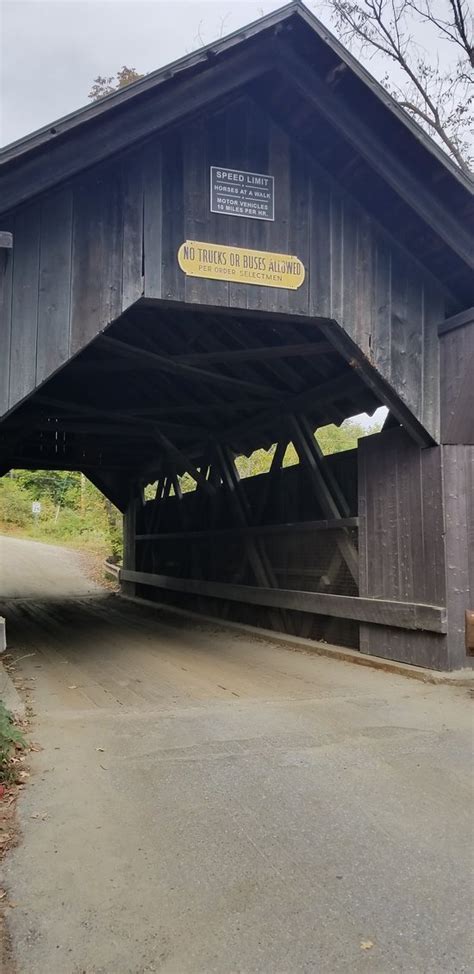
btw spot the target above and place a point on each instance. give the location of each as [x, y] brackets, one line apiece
[328, 498]
[168, 364]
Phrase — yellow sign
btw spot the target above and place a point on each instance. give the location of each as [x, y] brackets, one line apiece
[240, 265]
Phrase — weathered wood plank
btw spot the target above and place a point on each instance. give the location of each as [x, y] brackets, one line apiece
[401, 540]
[6, 274]
[135, 211]
[54, 283]
[24, 328]
[457, 385]
[153, 218]
[98, 248]
[383, 612]
[456, 321]
[458, 466]
[255, 530]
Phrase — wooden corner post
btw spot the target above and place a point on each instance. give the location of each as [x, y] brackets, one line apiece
[129, 544]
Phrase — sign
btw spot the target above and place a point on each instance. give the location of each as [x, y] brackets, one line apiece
[36, 508]
[238, 193]
[239, 265]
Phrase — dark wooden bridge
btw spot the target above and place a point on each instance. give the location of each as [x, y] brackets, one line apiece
[160, 318]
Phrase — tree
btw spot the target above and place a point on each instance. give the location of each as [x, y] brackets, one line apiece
[438, 96]
[106, 85]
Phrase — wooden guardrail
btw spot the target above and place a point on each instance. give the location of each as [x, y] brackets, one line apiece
[384, 612]
[112, 570]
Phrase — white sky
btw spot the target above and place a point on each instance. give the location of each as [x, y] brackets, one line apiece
[51, 50]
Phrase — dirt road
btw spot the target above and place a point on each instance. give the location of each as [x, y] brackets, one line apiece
[205, 802]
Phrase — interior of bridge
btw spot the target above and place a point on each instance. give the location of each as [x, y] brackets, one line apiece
[162, 384]
[168, 391]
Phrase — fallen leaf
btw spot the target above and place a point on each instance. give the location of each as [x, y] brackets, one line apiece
[101, 749]
[366, 944]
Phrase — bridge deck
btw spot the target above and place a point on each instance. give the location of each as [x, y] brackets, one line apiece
[210, 802]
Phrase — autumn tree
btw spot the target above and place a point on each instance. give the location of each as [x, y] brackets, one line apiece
[430, 46]
[106, 85]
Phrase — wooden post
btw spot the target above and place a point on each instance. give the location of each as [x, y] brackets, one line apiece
[129, 544]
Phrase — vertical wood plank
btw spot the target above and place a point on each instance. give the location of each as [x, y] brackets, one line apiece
[434, 307]
[133, 220]
[153, 219]
[336, 253]
[97, 255]
[319, 260]
[402, 537]
[457, 473]
[54, 283]
[25, 303]
[173, 279]
[382, 310]
[6, 274]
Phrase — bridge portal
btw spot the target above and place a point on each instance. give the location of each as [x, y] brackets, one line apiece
[242, 247]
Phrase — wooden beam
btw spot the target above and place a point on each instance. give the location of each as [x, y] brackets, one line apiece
[457, 321]
[73, 408]
[262, 354]
[377, 153]
[177, 367]
[255, 530]
[183, 461]
[135, 430]
[384, 612]
[368, 374]
[342, 386]
[329, 500]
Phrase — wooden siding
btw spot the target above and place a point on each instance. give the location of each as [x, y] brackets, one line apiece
[401, 541]
[113, 234]
[457, 384]
[76, 262]
[458, 476]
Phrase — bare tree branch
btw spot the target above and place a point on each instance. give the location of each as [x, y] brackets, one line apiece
[440, 99]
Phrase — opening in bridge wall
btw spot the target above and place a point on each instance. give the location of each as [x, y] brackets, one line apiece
[286, 543]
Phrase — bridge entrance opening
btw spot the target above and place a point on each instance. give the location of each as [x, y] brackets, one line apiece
[238, 249]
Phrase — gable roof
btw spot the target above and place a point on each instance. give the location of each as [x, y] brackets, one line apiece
[392, 165]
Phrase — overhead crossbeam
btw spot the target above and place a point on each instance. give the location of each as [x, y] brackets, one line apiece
[173, 365]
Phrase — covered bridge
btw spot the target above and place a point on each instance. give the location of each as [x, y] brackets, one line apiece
[246, 245]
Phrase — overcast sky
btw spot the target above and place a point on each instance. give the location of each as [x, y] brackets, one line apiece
[51, 50]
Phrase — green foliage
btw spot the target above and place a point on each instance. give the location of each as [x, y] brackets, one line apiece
[334, 439]
[106, 85]
[15, 504]
[73, 511]
[10, 739]
[331, 439]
